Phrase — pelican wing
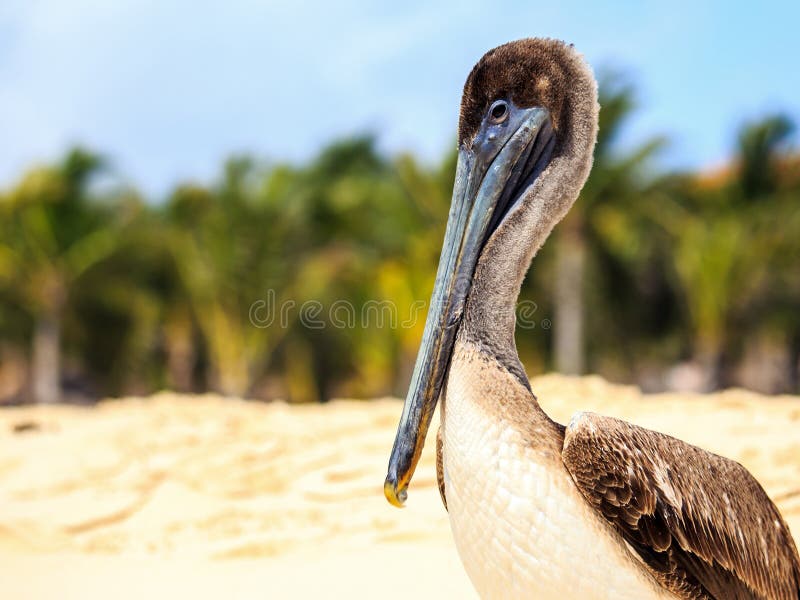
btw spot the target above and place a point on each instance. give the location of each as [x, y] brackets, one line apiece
[700, 522]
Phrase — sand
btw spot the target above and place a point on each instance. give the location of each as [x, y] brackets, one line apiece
[171, 496]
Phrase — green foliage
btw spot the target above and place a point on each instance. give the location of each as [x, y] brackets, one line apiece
[728, 240]
[272, 282]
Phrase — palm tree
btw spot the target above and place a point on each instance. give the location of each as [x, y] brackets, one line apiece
[120, 323]
[616, 180]
[423, 210]
[53, 232]
[724, 229]
[222, 245]
[359, 227]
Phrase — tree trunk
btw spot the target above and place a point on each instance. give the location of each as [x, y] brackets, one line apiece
[46, 358]
[229, 373]
[709, 357]
[181, 356]
[568, 329]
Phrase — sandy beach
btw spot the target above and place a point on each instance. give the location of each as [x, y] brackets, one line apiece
[174, 495]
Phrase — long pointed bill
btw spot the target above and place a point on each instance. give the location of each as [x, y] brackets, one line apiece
[490, 177]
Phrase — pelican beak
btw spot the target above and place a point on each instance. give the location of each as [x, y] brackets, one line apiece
[492, 175]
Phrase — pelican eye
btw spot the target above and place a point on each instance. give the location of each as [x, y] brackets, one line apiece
[498, 111]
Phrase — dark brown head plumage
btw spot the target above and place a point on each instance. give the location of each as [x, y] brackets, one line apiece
[531, 72]
[543, 73]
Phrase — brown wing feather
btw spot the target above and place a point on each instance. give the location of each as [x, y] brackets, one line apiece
[701, 522]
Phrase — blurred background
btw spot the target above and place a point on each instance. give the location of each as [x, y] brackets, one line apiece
[250, 198]
[206, 201]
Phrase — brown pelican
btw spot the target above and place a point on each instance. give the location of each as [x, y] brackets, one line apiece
[599, 508]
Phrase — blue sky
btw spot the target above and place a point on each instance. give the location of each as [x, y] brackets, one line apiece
[167, 89]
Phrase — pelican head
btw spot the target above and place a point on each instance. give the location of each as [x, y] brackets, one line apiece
[526, 132]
